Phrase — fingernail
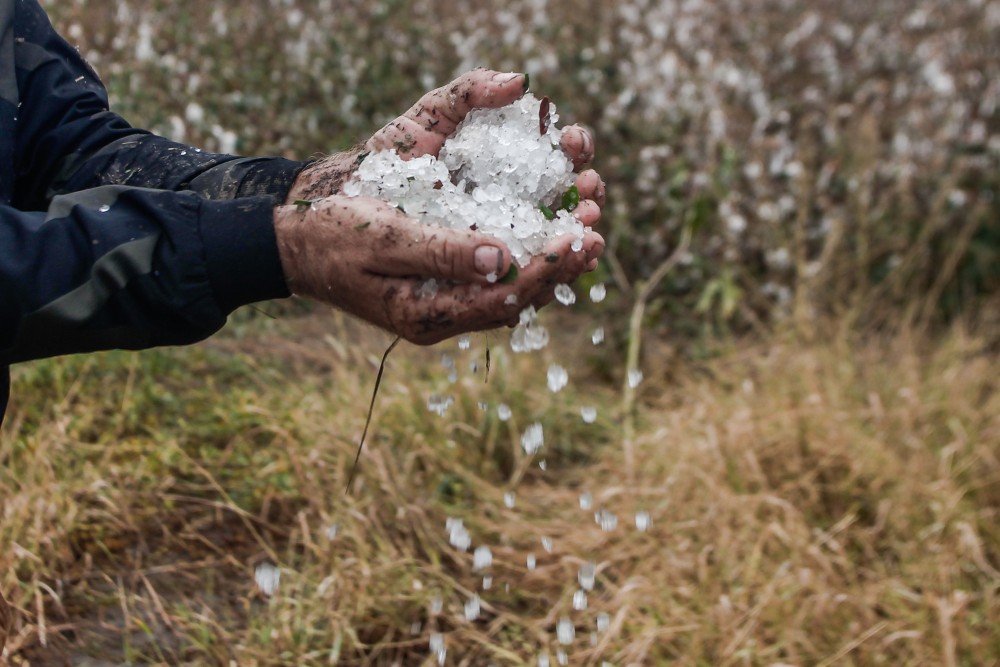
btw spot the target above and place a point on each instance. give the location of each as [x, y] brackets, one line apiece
[488, 259]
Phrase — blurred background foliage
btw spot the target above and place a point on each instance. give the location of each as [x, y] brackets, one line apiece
[833, 160]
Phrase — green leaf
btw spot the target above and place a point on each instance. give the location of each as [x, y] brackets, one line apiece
[546, 211]
[510, 276]
[571, 199]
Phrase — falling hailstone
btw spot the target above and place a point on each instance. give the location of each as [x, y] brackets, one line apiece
[603, 622]
[587, 575]
[608, 521]
[267, 576]
[509, 499]
[416, 628]
[531, 562]
[589, 414]
[565, 295]
[487, 582]
[503, 412]
[586, 501]
[598, 336]
[543, 660]
[458, 535]
[472, 608]
[464, 342]
[532, 439]
[565, 631]
[437, 604]
[439, 404]
[557, 378]
[482, 558]
[561, 657]
[528, 335]
[331, 531]
[598, 292]
[547, 544]
[642, 521]
[580, 600]
[634, 378]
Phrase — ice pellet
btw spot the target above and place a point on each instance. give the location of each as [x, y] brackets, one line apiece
[557, 377]
[561, 657]
[586, 576]
[603, 622]
[436, 642]
[531, 561]
[608, 521]
[576, 245]
[580, 600]
[458, 536]
[642, 521]
[509, 499]
[543, 660]
[565, 294]
[487, 582]
[267, 576]
[598, 292]
[464, 342]
[532, 439]
[598, 336]
[565, 631]
[439, 404]
[589, 414]
[482, 558]
[547, 544]
[503, 412]
[511, 300]
[472, 608]
[586, 500]
[428, 289]
[634, 378]
[104, 208]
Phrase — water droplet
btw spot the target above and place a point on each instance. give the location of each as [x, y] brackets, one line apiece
[503, 412]
[634, 378]
[557, 378]
[642, 521]
[482, 558]
[580, 600]
[598, 336]
[598, 292]
[565, 631]
[586, 501]
[565, 295]
[589, 414]
[104, 208]
[509, 499]
[267, 576]
[464, 342]
[587, 575]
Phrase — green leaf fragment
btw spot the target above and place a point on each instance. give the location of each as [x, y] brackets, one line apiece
[571, 199]
[363, 225]
[546, 211]
[510, 276]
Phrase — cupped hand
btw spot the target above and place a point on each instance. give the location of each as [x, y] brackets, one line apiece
[373, 261]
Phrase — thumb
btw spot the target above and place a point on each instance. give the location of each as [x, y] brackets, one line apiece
[439, 252]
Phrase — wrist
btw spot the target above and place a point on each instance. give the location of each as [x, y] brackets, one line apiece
[325, 177]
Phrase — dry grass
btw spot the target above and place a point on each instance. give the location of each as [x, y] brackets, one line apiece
[827, 503]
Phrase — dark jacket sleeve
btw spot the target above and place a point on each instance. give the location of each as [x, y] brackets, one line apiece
[112, 237]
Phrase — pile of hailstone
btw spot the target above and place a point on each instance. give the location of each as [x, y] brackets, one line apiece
[502, 173]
